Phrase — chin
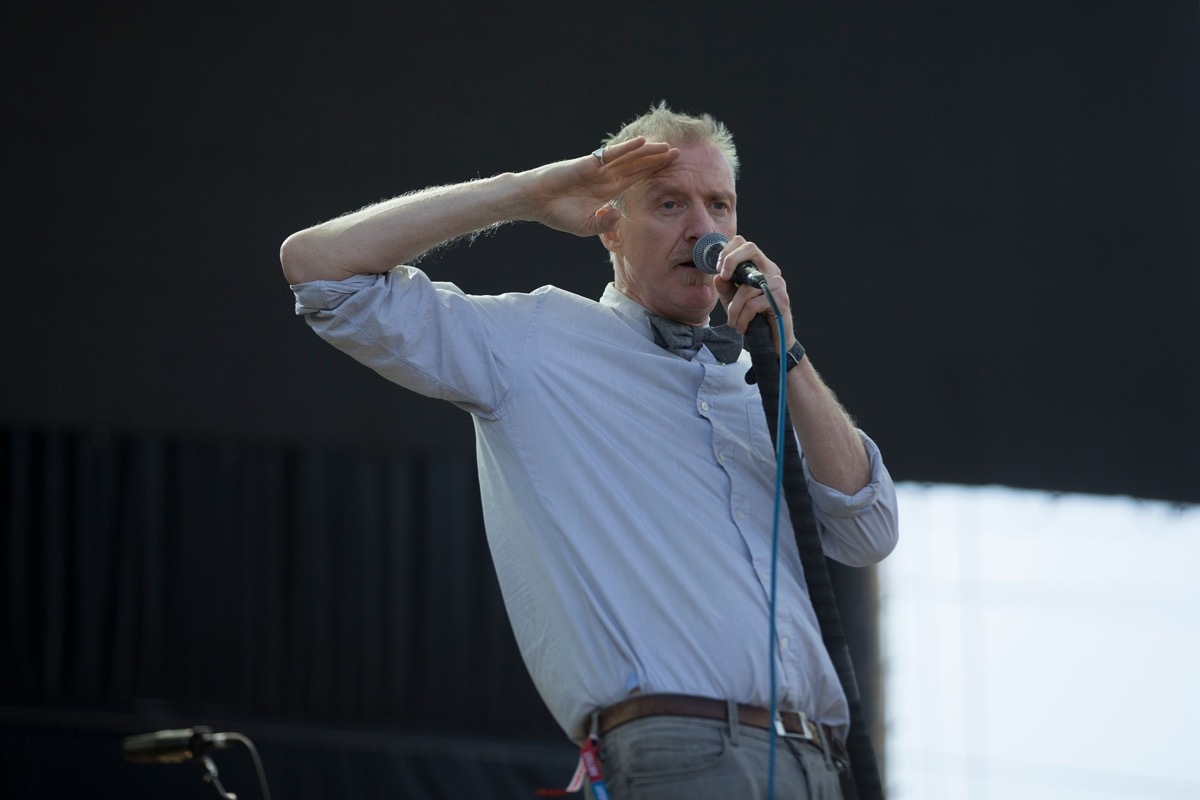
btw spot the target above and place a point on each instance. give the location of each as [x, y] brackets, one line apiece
[696, 311]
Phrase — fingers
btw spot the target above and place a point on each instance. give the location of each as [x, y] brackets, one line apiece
[630, 161]
[615, 155]
[748, 302]
[565, 195]
[615, 168]
[743, 302]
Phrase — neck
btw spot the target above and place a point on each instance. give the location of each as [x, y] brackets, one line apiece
[626, 292]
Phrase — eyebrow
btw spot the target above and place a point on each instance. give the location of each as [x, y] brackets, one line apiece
[661, 187]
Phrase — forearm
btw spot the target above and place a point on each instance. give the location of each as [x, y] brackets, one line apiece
[397, 231]
[569, 196]
[833, 450]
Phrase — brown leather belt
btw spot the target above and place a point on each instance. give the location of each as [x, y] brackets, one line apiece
[686, 705]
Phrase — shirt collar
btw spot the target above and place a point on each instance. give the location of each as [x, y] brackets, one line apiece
[631, 312]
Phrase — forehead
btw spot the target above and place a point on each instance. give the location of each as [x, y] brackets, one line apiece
[699, 167]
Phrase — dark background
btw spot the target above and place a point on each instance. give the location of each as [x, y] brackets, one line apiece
[988, 213]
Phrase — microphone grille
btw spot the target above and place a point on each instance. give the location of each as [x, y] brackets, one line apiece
[707, 250]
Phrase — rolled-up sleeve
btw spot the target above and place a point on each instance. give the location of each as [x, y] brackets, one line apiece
[426, 336]
[862, 528]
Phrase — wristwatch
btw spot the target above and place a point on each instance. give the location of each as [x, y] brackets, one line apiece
[793, 356]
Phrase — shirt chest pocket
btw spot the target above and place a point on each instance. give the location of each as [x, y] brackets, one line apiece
[760, 445]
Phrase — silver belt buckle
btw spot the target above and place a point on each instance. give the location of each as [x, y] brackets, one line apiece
[806, 731]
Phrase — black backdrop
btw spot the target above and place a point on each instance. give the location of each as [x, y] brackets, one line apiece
[988, 212]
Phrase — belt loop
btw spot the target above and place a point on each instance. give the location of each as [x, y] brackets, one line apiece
[826, 744]
[734, 723]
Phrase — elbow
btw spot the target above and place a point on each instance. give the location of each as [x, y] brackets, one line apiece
[296, 258]
[868, 550]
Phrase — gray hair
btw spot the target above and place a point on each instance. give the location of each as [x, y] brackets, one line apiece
[661, 124]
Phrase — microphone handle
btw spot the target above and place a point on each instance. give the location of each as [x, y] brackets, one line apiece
[747, 273]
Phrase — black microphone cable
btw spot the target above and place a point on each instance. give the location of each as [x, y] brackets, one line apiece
[705, 253]
[867, 783]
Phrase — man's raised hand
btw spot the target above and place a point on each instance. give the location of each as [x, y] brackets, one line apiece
[573, 195]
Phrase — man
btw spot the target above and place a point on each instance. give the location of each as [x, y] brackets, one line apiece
[627, 488]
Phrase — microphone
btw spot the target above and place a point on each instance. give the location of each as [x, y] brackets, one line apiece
[172, 746]
[707, 250]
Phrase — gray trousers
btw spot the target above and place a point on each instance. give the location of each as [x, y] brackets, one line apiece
[668, 758]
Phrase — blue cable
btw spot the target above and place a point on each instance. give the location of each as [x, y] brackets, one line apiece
[779, 433]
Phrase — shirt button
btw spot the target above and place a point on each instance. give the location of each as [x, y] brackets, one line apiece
[703, 405]
[723, 457]
[784, 642]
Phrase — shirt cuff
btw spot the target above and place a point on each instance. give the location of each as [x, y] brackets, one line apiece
[833, 503]
[317, 296]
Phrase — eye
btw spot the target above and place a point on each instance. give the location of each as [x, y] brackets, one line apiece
[670, 205]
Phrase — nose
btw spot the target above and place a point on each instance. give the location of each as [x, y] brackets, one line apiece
[698, 222]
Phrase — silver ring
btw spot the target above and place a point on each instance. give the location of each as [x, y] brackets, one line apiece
[599, 154]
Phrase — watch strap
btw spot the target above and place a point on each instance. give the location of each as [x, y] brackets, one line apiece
[794, 354]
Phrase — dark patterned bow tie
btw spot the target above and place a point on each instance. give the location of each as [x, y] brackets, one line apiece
[723, 341]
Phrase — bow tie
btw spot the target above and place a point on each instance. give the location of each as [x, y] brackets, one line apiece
[724, 342]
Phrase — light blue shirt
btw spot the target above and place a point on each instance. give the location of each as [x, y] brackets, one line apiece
[627, 492]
